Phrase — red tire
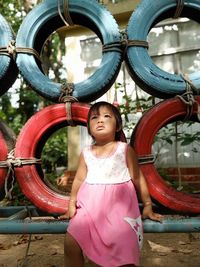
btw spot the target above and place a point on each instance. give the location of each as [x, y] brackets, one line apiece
[142, 139]
[7, 143]
[3, 157]
[31, 140]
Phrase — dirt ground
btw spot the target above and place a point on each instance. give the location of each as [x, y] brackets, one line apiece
[165, 250]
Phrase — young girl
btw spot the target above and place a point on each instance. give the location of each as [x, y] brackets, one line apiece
[105, 221]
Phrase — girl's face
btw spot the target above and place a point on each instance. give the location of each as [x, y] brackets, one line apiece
[103, 123]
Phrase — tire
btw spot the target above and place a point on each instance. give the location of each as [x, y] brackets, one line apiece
[30, 143]
[142, 140]
[8, 67]
[7, 143]
[143, 71]
[44, 20]
[3, 157]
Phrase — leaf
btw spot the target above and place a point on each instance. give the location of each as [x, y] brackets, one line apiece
[5, 246]
[169, 141]
[158, 248]
[186, 142]
[194, 150]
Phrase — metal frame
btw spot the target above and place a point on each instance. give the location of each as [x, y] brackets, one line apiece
[30, 220]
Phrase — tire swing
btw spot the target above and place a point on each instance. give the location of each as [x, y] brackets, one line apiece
[7, 144]
[43, 20]
[29, 145]
[142, 69]
[142, 140]
[8, 67]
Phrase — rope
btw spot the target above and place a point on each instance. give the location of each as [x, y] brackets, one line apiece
[138, 43]
[8, 192]
[10, 163]
[67, 98]
[66, 92]
[25, 260]
[11, 50]
[4, 51]
[188, 97]
[18, 162]
[66, 18]
[189, 82]
[27, 50]
[123, 45]
[180, 187]
[146, 159]
[179, 8]
[112, 47]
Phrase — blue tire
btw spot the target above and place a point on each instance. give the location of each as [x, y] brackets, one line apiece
[143, 71]
[8, 67]
[43, 20]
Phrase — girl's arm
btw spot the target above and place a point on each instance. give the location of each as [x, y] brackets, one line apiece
[78, 180]
[141, 185]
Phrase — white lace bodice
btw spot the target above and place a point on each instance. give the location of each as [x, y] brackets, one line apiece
[108, 170]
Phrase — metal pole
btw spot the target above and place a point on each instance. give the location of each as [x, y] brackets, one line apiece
[12, 210]
[173, 225]
[53, 226]
[40, 226]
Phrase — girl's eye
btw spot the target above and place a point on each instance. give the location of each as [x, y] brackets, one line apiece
[107, 116]
[93, 117]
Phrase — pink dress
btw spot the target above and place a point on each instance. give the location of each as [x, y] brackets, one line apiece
[108, 225]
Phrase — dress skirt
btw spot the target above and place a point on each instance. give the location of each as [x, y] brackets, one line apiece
[107, 224]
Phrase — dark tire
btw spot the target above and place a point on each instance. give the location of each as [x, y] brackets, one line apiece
[142, 69]
[8, 67]
[43, 20]
[142, 140]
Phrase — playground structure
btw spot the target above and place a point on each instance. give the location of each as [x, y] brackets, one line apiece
[42, 217]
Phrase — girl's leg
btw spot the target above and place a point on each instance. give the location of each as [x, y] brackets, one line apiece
[73, 256]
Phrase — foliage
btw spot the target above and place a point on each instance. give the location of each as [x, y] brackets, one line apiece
[130, 108]
[169, 135]
[54, 152]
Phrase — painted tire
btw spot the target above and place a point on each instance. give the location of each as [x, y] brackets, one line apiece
[7, 143]
[145, 73]
[44, 20]
[8, 67]
[3, 157]
[142, 140]
[29, 144]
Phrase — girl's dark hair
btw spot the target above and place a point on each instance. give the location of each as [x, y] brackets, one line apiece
[95, 109]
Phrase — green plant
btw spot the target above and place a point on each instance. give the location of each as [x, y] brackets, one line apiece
[54, 153]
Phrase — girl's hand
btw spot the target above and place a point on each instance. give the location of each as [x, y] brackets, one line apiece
[62, 181]
[148, 213]
[71, 211]
[64, 216]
